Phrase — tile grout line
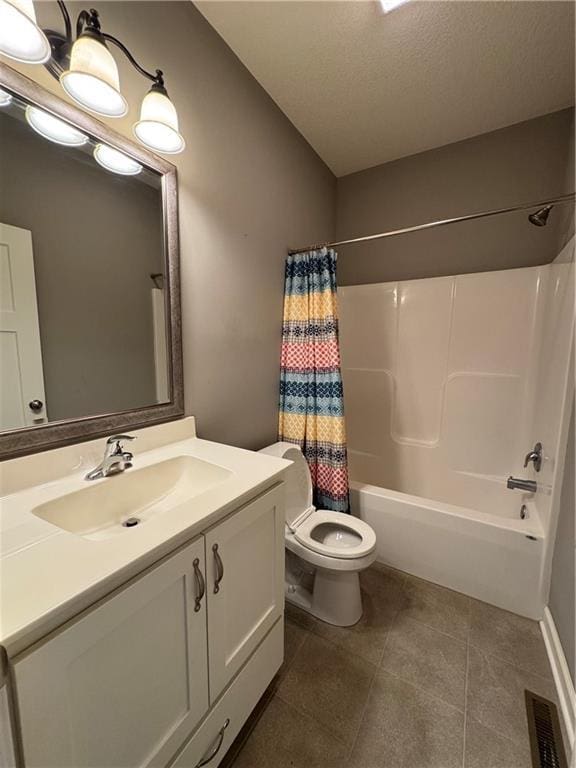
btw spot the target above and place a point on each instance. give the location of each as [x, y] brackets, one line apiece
[309, 716]
[509, 663]
[435, 629]
[466, 702]
[364, 709]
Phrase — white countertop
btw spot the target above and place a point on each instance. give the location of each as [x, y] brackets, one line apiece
[48, 575]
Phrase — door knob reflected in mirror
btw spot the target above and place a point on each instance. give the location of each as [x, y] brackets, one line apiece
[36, 405]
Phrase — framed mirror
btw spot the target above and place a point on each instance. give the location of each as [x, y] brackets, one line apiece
[90, 331]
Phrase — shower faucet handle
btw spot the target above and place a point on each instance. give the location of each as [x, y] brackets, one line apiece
[534, 456]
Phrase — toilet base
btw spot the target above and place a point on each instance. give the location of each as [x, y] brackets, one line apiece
[335, 597]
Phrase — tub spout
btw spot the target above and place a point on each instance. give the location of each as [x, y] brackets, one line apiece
[523, 485]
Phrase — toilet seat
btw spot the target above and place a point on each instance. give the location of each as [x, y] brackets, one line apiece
[333, 534]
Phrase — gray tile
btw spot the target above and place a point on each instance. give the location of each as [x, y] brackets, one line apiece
[428, 659]
[440, 608]
[510, 637]
[285, 738]
[487, 749]
[382, 597]
[404, 727]
[294, 635]
[496, 694]
[298, 616]
[328, 684]
[387, 581]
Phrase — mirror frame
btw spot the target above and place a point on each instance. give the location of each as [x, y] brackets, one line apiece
[42, 437]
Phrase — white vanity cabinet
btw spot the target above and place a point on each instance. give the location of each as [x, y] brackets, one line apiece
[245, 586]
[126, 683]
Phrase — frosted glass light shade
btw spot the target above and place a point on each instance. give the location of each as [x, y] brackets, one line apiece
[158, 124]
[5, 98]
[20, 36]
[92, 79]
[53, 128]
[116, 161]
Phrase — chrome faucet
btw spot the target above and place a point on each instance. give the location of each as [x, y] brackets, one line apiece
[115, 460]
[524, 485]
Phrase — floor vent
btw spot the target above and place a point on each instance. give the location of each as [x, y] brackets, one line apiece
[545, 734]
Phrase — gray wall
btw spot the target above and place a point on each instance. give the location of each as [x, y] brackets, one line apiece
[524, 162]
[249, 187]
[562, 589]
[96, 238]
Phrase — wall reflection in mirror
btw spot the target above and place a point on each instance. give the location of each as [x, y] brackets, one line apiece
[82, 260]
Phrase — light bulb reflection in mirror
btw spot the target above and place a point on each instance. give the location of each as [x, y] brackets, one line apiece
[54, 129]
[116, 161]
[5, 98]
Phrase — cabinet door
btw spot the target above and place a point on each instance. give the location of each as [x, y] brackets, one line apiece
[124, 684]
[245, 584]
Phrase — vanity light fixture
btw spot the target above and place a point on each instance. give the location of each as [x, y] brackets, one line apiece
[88, 72]
[5, 98]
[92, 78]
[390, 5]
[158, 124]
[116, 161]
[54, 129]
[20, 36]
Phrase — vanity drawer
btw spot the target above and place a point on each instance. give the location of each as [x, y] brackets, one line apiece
[235, 705]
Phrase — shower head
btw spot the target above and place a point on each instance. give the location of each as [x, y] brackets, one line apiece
[540, 218]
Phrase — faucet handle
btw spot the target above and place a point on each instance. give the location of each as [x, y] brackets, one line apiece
[118, 438]
[113, 444]
[534, 456]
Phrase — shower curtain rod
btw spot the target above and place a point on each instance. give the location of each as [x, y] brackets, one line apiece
[440, 223]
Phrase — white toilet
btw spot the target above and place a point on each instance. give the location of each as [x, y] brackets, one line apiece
[325, 550]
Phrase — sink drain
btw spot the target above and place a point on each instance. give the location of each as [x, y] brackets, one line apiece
[131, 522]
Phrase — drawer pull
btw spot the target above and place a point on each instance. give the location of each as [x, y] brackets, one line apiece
[215, 747]
[219, 569]
[200, 585]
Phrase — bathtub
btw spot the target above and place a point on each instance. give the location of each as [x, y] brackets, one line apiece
[490, 557]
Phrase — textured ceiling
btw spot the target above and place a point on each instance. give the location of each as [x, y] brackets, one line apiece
[365, 87]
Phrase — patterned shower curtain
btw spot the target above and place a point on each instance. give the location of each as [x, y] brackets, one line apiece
[311, 402]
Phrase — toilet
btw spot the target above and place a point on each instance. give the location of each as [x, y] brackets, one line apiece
[325, 550]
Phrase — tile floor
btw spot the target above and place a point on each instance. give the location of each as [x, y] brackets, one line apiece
[428, 678]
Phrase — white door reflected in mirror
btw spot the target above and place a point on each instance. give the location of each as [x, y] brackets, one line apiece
[22, 398]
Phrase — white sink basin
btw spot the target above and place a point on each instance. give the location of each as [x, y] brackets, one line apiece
[100, 510]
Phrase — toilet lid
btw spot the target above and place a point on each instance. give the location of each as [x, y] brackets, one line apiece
[336, 535]
[297, 480]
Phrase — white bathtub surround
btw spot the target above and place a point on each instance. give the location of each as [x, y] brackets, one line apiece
[436, 377]
[327, 549]
[448, 383]
[562, 678]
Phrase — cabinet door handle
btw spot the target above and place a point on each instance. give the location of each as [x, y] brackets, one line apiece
[219, 569]
[200, 585]
[215, 747]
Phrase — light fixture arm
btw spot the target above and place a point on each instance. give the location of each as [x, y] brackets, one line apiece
[156, 78]
[67, 20]
[88, 22]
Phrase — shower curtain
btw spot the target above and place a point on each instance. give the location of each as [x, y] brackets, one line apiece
[311, 402]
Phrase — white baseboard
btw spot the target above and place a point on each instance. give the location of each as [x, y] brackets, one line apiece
[562, 679]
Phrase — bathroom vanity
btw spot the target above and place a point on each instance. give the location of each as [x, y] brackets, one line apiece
[146, 645]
